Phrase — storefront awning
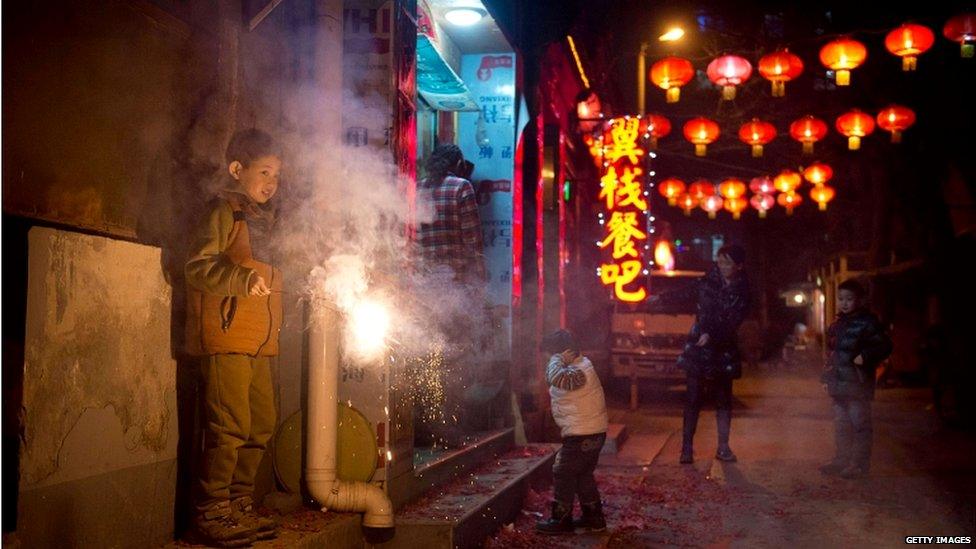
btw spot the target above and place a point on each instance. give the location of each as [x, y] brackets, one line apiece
[437, 83]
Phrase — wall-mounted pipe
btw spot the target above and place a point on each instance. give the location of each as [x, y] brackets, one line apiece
[323, 417]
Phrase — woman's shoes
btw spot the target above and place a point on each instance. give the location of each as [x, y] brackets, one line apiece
[853, 471]
[725, 454]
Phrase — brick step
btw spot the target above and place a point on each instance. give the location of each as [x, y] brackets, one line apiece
[464, 512]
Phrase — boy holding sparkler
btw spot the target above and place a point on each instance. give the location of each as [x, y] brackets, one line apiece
[233, 320]
[580, 411]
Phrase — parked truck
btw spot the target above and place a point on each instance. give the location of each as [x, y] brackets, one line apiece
[646, 341]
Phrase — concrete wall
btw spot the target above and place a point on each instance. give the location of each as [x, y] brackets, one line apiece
[98, 464]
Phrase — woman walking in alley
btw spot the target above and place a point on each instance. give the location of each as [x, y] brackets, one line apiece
[711, 354]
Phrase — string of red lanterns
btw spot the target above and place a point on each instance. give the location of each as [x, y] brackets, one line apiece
[841, 55]
[731, 193]
[701, 131]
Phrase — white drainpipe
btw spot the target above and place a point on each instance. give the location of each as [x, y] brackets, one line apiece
[323, 415]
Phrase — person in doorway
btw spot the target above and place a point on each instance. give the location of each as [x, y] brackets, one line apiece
[579, 409]
[233, 320]
[711, 354]
[452, 237]
[856, 344]
[452, 260]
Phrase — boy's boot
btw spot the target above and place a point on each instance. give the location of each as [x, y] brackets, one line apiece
[688, 435]
[592, 519]
[560, 521]
[216, 527]
[242, 509]
[723, 419]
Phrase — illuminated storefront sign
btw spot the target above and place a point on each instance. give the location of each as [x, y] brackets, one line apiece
[624, 198]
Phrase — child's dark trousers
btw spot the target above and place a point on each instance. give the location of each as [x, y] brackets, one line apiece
[573, 470]
[852, 432]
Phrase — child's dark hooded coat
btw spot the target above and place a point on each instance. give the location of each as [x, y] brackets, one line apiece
[856, 333]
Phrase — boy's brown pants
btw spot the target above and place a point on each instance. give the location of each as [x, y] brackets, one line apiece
[239, 419]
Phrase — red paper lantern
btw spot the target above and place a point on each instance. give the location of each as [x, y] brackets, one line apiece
[789, 201]
[757, 133]
[896, 119]
[962, 29]
[736, 205]
[732, 188]
[908, 42]
[762, 185]
[712, 204]
[843, 55]
[808, 130]
[822, 194]
[855, 125]
[701, 189]
[762, 203]
[787, 181]
[779, 68]
[671, 188]
[655, 126]
[687, 203]
[701, 131]
[729, 71]
[818, 173]
[589, 111]
[670, 74]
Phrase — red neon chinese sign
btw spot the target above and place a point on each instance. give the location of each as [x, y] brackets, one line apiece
[625, 219]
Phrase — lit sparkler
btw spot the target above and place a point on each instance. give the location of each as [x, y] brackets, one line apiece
[369, 324]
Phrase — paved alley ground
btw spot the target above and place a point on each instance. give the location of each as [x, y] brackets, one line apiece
[922, 482]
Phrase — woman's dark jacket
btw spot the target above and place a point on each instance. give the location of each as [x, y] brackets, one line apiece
[721, 309]
[856, 333]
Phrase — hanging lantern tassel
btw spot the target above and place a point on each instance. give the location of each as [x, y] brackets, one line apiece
[843, 77]
[854, 142]
[728, 93]
[779, 88]
[700, 149]
[673, 94]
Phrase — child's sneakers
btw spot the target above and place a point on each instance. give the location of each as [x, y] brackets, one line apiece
[592, 519]
[560, 521]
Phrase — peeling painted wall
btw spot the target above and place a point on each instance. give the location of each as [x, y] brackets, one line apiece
[99, 388]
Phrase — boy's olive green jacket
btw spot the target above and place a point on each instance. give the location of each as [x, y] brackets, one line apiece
[221, 316]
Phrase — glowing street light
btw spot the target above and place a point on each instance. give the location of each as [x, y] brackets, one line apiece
[674, 33]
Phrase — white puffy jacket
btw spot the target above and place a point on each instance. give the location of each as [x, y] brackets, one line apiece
[578, 404]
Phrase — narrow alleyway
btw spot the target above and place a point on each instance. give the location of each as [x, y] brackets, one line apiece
[922, 481]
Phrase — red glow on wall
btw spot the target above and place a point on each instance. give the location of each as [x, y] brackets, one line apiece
[517, 225]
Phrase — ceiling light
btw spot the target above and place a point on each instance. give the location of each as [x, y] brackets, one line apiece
[464, 17]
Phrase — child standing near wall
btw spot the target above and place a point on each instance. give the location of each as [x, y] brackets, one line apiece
[856, 343]
[580, 411]
[233, 320]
